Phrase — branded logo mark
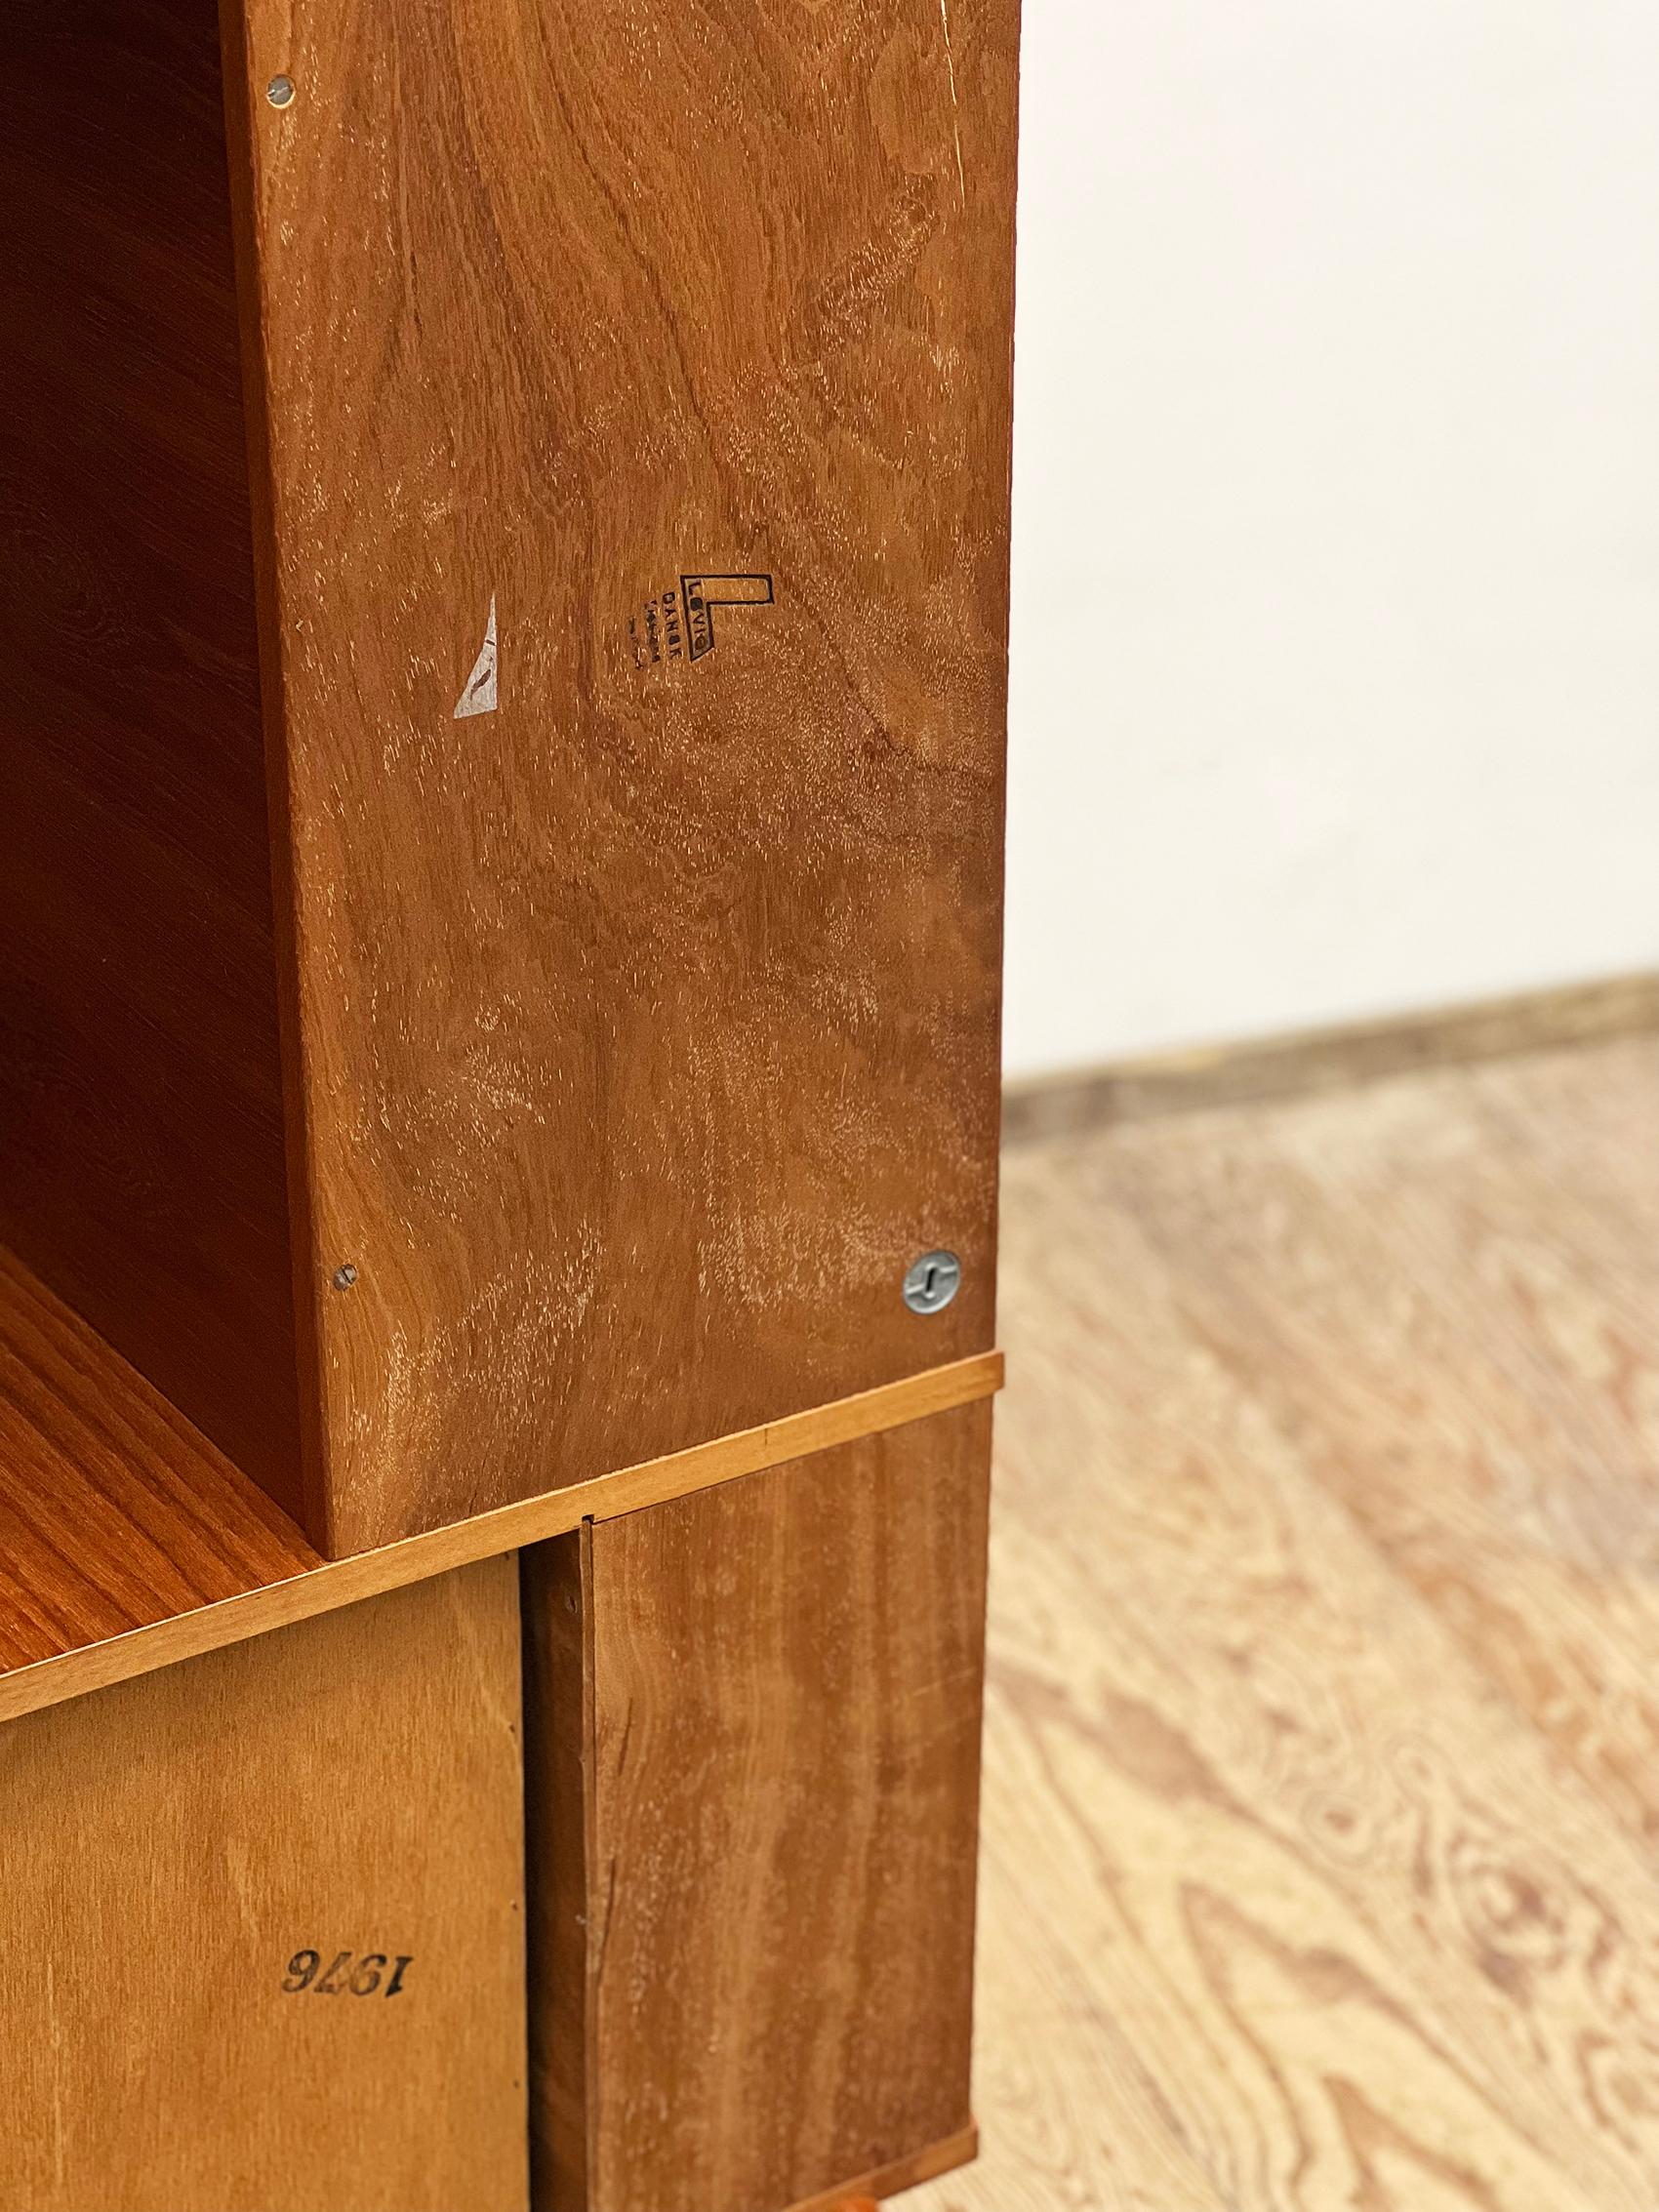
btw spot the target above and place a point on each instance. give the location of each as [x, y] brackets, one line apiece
[701, 594]
[678, 625]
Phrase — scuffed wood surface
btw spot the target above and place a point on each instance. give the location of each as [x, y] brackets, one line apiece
[649, 1015]
[128, 1543]
[1323, 1737]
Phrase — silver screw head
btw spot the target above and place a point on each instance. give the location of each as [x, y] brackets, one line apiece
[344, 1276]
[932, 1281]
[280, 91]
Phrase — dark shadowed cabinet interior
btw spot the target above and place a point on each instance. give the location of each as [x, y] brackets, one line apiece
[504, 552]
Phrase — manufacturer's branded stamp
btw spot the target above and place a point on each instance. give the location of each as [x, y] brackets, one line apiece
[678, 625]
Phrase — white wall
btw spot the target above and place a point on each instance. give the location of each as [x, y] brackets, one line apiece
[1336, 627]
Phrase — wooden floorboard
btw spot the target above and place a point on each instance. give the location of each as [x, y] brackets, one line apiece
[1323, 1767]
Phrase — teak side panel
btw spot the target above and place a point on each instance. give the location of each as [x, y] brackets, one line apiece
[348, 1785]
[774, 1691]
[637, 389]
[142, 1142]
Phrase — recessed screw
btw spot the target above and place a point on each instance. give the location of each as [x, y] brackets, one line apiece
[346, 1276]
[280, 91]
[932, 1282]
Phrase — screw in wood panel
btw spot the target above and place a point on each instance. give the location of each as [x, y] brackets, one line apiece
[280, 91]
[932, 1282]
[344, 1276]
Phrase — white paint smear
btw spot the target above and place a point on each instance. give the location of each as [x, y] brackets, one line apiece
[482, 694]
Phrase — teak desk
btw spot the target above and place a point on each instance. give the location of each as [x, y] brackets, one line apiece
[503, 617]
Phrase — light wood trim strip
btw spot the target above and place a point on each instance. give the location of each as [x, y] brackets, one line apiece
[344, 1582]
[908, 2173]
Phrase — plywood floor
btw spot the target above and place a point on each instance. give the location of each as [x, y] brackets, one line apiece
[1322, 1843]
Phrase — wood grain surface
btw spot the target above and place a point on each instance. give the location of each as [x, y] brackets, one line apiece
[1321, 1737]
[128, 1543]
[175, 1851]
[116, 1514]
[142, 1138]
[648, 926]
[773, 1694]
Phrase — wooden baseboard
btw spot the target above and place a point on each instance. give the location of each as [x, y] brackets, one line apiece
[1324, 1060]
[908, 2173]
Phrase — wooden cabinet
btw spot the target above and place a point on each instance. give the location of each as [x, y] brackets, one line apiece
[504, 552]
[501, 904]
[753, 1745]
